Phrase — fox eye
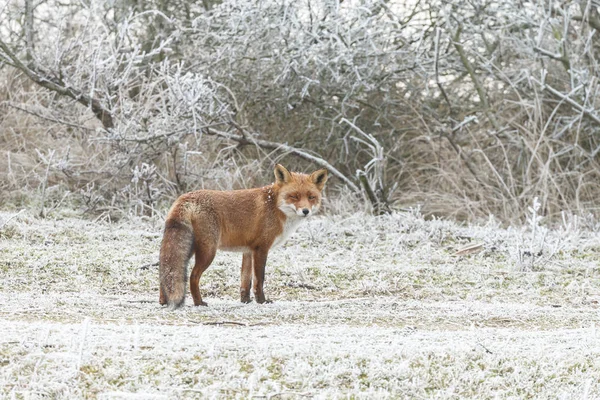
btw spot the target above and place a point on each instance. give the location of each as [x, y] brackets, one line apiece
[293, 197]
[311, 197]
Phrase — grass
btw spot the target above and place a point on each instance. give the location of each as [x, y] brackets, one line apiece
[363, 307]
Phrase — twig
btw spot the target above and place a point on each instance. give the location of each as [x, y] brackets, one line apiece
[349, 300]
[279, 394]
[485, 348]
[236, 323]
[147, 266]
[58, 121]
[470, 249]
[478, 86]
[438, 33]
[547, 53]
[9, 218]
[29, 30]
[463, 156]
[591, 20]
[564, 60]
[466, 121]
[55, 206]
[379, 207]
[569, 100]
[300, 285]
[376, 197]
[45, 184]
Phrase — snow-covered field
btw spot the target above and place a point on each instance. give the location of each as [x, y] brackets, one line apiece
[364, 307]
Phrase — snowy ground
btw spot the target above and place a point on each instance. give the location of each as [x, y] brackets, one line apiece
[364, 307]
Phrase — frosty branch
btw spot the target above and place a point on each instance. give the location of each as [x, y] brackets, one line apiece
[44, 79]
[265, 144]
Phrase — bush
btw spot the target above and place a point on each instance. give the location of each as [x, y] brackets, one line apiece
[466, 109]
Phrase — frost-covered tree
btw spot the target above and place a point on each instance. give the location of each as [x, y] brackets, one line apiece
[466, 108]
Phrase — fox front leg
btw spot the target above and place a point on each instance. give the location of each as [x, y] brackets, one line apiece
[259, 260]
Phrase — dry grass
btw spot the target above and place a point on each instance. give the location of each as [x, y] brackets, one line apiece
[363, 307]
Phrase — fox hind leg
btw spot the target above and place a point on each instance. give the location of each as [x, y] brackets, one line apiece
[163, 297]
[204, 257]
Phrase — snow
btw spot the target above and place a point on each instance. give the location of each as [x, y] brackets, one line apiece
[369, 307]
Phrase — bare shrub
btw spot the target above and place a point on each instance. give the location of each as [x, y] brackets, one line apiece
[466, 109]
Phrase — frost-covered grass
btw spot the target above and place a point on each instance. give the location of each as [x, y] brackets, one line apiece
[367, 307]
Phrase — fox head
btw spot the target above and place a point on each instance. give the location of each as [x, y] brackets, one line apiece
[299, 194]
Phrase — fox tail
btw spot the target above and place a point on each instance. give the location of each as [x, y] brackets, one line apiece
[175, 253]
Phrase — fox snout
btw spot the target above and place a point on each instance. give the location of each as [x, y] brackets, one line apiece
[291, 209]
[303, 211]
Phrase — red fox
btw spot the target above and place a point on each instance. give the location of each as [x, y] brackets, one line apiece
[249, 221]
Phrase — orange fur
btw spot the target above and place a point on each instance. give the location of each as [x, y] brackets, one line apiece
[250, 221]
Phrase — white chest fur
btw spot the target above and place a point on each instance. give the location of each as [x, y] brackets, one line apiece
[289, 227]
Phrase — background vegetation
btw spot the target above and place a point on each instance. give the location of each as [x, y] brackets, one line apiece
[465, 108]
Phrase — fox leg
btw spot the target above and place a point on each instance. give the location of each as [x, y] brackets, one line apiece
[163, 297]
[204, 256]
[259, 258]
[246, 277]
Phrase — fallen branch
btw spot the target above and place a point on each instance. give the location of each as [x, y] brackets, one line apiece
[236, 323]
[470, 249]
[285, 394]
[147, 266]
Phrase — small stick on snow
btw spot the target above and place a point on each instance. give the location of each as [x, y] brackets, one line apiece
[147, 266]
[229, 323]
[470, 249]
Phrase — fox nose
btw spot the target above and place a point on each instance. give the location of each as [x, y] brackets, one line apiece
[305, 211]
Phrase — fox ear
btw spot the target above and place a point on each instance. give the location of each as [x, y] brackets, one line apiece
[319, 178]
[282, 175]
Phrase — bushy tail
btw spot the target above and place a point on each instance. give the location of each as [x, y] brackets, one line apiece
[175, 253]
